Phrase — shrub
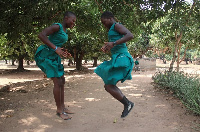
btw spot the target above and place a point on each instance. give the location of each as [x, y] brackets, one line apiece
[184, 86]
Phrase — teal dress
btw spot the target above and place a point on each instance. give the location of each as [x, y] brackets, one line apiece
[120, 66]
[47, 59]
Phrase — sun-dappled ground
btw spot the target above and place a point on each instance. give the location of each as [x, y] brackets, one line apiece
[27, 104]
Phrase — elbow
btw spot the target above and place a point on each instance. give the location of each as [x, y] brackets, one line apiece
[40, 36]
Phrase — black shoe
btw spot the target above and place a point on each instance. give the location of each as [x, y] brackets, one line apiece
[127, 109]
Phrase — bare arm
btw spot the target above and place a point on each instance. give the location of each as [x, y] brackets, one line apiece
[122, 30]
[46, 32]
[43, 36]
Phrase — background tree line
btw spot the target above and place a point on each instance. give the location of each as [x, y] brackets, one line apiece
[168, 26]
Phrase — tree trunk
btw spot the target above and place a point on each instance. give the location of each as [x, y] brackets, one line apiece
[178, 64]
[78, 64]
[70, 62]
[13, 62]
[178, 38]
[79, 58]
[178, 59]
[28, 62]
[173, 60]
[95, 61]
[20, 63]
[75, 55]
[164, 61]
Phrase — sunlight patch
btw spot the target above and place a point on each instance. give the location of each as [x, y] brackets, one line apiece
[8, 113]
[93, 68]
[136, 95]
[126, 87]
[148, 75]
[16, 88]
[28, 121]
[43, 127]
[160, 105]
[92, 99]
[78, 76]
[68, 77]
[72, 103]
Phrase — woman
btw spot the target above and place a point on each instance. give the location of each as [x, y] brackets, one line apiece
[121, 64]
[48, 58]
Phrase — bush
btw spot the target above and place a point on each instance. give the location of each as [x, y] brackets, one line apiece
[184, 86]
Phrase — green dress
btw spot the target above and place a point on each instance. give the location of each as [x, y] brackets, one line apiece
[120, 66]
[47, 59]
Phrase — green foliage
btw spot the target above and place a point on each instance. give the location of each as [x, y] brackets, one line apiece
[183, 18]
[141, 46]
[22, 21]
[21, 17]
[3, 47]
[185, 87]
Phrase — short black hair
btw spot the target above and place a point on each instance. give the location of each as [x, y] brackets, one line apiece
[69, 13]
[107, 15]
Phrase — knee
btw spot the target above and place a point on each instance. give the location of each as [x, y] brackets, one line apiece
[59, 82]
[107, 88]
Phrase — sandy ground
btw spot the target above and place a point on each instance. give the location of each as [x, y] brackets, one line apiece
[29, 106]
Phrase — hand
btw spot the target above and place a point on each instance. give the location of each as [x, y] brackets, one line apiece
[107, 46]
[66, 53]
[63, 52]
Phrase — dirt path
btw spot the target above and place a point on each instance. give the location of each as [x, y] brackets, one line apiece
[30, 107]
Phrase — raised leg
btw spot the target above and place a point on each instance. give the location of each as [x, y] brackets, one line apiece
[117, 94]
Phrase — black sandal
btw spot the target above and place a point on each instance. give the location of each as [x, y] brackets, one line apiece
[63, 113]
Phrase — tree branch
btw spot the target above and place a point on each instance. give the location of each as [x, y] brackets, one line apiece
[191, 10]
[184, 55]
[55, 15]
[99, 6]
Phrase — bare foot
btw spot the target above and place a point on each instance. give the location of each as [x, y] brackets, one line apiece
[68, 111]
[64, 116]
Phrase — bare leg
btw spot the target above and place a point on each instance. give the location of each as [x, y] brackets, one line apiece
[117, 94]
[62, 97]
[57, 92]
[114, 91]
[62, 92]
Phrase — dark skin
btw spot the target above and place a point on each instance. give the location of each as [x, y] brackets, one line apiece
[58, 91]
[120, 29]
[68, 22]
[113, 89]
